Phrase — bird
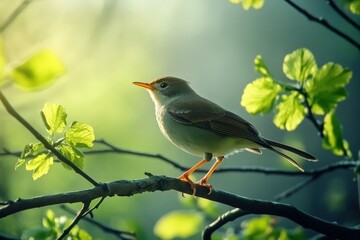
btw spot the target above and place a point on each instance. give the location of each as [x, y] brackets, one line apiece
[203, 128]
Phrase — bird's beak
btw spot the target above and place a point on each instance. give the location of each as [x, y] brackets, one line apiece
[144, 85]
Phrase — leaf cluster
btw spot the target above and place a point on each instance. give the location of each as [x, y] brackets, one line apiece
[52, 228]
[79, 135]
[311, 91]
[352, 5]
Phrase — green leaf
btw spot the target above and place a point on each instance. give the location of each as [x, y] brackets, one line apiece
[259, 96]
[299, 65]
[178, 224]
[19, 162]
[38, 71]
[290, 112]
[49, 220]
[54, 117]
[38, 233]
[333, 137]
[31, 149]
[80, 135]
[40, 164]
[261, 68]
[2, 61]
[328, 87]
[257, 228]
[73, 155]
[209, 207]
[247, 4]
[79, 234]
[354, 7]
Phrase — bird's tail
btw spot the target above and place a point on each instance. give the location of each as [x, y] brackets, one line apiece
[303, 154]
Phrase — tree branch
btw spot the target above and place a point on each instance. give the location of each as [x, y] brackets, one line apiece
[117, 233]
[39, 137]
[247, 169]
[324, 23]
[342, 14]
[295, 188]
[162, 183]
[221, 221]
[77, 218]
[14, 15]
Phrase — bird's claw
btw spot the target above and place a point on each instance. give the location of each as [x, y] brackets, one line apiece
[204, 183]
[186, 178]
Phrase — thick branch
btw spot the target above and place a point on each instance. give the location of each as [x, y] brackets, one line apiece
[39, 137]
[162, 183]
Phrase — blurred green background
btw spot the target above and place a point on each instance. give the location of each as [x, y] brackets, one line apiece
[108, 44]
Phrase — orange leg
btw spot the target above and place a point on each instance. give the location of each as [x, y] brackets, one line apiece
[203, 181]
[185, 175]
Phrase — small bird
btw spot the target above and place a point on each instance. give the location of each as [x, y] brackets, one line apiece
[201, 127]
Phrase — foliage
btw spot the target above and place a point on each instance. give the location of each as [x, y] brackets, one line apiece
[333, 139]
[264, 227]
[247, 4]
[186, 222]
[312, 91]
[79, 135]
[178, 224]
[352, 5]
[37, 71]
[52, 228]
[32, 73]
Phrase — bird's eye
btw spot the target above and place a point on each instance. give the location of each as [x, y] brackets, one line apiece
[163, 85]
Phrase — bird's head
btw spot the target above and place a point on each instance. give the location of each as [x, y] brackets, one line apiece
[167, 89]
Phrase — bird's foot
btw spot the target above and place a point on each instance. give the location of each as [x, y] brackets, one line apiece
[185, 178]
[203, 182]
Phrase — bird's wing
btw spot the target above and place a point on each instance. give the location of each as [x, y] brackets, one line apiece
[207, 115]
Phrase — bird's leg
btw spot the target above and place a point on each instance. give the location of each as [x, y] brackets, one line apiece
[203, 181]
[185, 175]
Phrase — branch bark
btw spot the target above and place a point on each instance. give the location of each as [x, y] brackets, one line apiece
[162, 183]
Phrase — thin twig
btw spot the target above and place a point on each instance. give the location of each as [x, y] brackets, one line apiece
[295, 188]
[76, 220]
[38, 136]
[14, 15]
[246, 169]
[90, 211]
[324, 23]
[221, 221]
[118, 233]
[342, 14]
